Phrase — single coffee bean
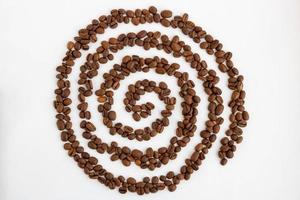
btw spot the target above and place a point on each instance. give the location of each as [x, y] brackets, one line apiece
[166, 13]
[60, 124]
[90, 126]
[70, 45]
[136, 116]
[112, 115]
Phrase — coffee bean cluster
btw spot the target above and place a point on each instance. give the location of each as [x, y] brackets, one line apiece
[148, 158]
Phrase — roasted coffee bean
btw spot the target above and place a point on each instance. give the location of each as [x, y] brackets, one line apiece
[70, 45]
[122, 190]
[112, 115]
[136, 154]
[245, 115]
[223, 161]
[166, 13]
[219, 109]
[151, 158]
[229, 154]
[90, 126]
[136, 116]
[126, 162]
[60, 124]
[172, 187]
[165, 22]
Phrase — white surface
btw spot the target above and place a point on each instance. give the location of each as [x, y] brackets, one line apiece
[264, 39]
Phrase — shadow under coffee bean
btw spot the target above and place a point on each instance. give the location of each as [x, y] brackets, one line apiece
[149, 158]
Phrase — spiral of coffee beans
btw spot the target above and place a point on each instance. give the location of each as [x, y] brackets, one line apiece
[149, 158]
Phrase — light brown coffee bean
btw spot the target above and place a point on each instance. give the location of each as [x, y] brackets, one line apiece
[166, 13]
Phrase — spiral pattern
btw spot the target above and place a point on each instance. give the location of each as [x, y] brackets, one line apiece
[149, 158]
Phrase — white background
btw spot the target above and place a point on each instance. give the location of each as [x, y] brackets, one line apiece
[264, 39]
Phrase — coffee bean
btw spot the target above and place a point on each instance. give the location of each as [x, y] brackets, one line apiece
[112, 115]
[136, 153]
[195, 156]
[199, 147]
[219, 109]
[90, 126]
[114, 157]
[101, 99]
[165, 22]
[70, 45]
[245, 115]
[126, 162]
[165, 160]
[224, 161]
[229, 154]
[135, 21]
[122, 190]
[136, 108]
[176, 47]
[235, 95]
[166, 13]
[136, 116]
[152, 9]
[144, 114]
[131, 181]
[141, 34]
[60, 124]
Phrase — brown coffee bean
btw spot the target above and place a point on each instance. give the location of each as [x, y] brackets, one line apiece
[165, 160]
[122, 190]
[209, 38]
[70, 45]
[165, 22]
[176, 47]
[219, 109]
[239, 140]
[195, 156]
[166, 13]
[141, 34]
[223, 161]
[60, 124]
[245, 115]
[101, 99]
[131, 181]
[235, 95]
[114, 157]
[112, 115]
[152, 9]
[136, 153]
[199, 147]
[76, 54]
[135, 21]
[136, 116]
[229, 154]
[224, 141]
[126, 162]
[90, 126]
[92, 145]
[64, 136]
[144, 114]
[136, 108]
[172, 188]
